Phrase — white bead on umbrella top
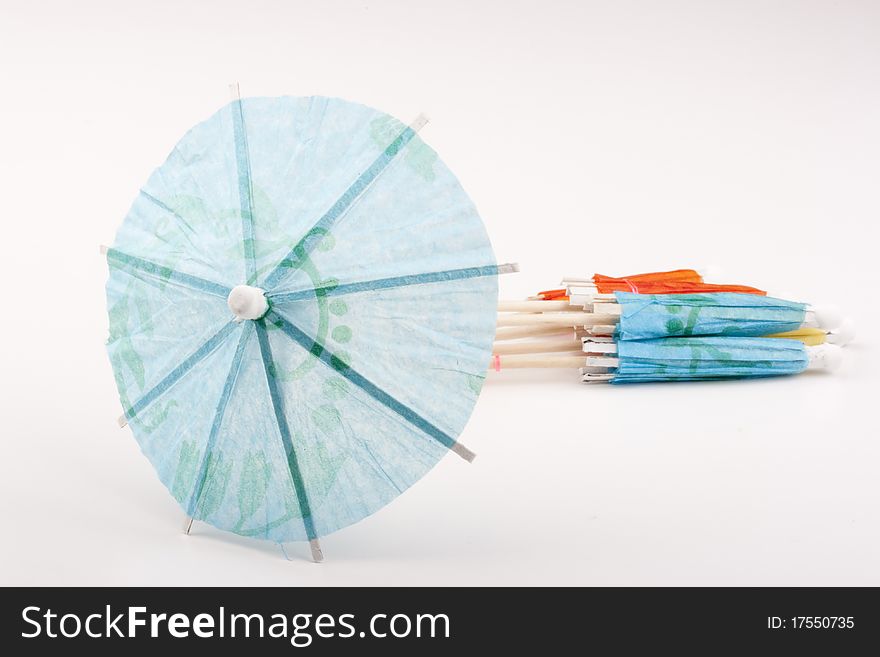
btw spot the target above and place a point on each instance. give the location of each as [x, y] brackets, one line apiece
[247, 302]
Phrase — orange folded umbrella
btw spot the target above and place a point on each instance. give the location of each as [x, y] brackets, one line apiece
[674, 287]
[677, 281]
[553, 295]
[676, 275]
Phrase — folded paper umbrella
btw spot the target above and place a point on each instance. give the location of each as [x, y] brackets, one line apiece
[840, 335]
[615, 283]
[644, 316]
[731, 314]
[610, 360]
[702, 359]
[581, 290]
[671, 282]
[302, 303]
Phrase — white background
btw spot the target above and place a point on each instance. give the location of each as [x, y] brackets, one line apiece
[593, 136]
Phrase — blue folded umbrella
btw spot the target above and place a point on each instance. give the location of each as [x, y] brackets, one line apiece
[645, 316]
[302, 305]
[707, 358]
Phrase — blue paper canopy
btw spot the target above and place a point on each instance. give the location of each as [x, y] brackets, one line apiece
[381, 286]
[645, 316]
[700, 359]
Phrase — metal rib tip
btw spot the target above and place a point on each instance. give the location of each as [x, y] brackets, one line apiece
[419, 122]
[317, 553]
[463, 452]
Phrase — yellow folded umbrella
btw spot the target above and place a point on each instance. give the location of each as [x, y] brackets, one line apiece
[809, 336]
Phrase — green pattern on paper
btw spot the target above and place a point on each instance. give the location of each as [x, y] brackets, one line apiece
[327, 243]
[326, 418]
[270, 225]
[475, 383]
[126, 360]
[675, 325]
[341, 333]
[124, 354]
[187, 467]
[419, 157]
[216, 482]
[338, 307]
[252, 485]
[335, 388]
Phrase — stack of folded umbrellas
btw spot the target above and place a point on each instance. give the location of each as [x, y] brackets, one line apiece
[666, 326]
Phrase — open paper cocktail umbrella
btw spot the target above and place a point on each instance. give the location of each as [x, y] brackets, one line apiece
[302, 303]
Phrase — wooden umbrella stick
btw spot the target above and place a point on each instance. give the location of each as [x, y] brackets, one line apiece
[517, 332]
[607, 309]
[535, 306]
[603, 361]
[538, 346]
[578, 280]
[591, 347]
[555, 319]
[528, 361]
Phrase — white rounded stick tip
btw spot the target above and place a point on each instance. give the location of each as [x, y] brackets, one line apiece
[247, 302]
[710, 271]
[843, 334]
[827, 317]
[824, 357]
